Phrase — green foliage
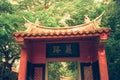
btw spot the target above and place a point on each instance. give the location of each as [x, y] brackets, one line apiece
[13, 76]
[10, 22]
[9, 50]
[50, 12]
[57, 70]
[113, 57]
[6, 7]
[46, 19]
[56, 11]
[113, 43]
[54, 71]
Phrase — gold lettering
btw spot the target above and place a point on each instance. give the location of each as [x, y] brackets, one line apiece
[68, 49]
[56, 49]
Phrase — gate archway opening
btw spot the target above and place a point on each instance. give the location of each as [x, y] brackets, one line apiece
[63, 70]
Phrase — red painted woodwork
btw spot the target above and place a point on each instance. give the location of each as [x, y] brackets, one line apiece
[88, 35]
[23, 64]
[102, 63]
[88, 51]
[103, 36]
[38, 52]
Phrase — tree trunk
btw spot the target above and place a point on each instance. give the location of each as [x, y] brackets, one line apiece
[2, 72]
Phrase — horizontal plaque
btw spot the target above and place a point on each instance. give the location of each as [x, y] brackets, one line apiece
[62, 50]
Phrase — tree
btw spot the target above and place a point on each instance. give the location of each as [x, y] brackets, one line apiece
[54, 72]
[57, 11]
[58, 70]
[6, 7]
[113, 43]
[9, 50]
[50, 13]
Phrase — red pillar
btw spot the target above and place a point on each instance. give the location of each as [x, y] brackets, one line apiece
[102, 63]
[23, 64]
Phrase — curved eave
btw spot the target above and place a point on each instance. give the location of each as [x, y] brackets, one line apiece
[84, 30]
[97, 19]
[57, 34]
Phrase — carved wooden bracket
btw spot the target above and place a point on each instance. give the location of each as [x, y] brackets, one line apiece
[22, 44]
[102, 42]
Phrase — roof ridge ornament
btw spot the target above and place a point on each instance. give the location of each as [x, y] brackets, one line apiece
[33, 27]
[86, 19]
[29, 25]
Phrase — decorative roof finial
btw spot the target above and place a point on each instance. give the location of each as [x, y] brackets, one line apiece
[29, 25]
[86, 19]
[37, 22]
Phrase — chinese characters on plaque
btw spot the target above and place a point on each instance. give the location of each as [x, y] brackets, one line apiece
[62, 50]
[68, 49]
[56, 49]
